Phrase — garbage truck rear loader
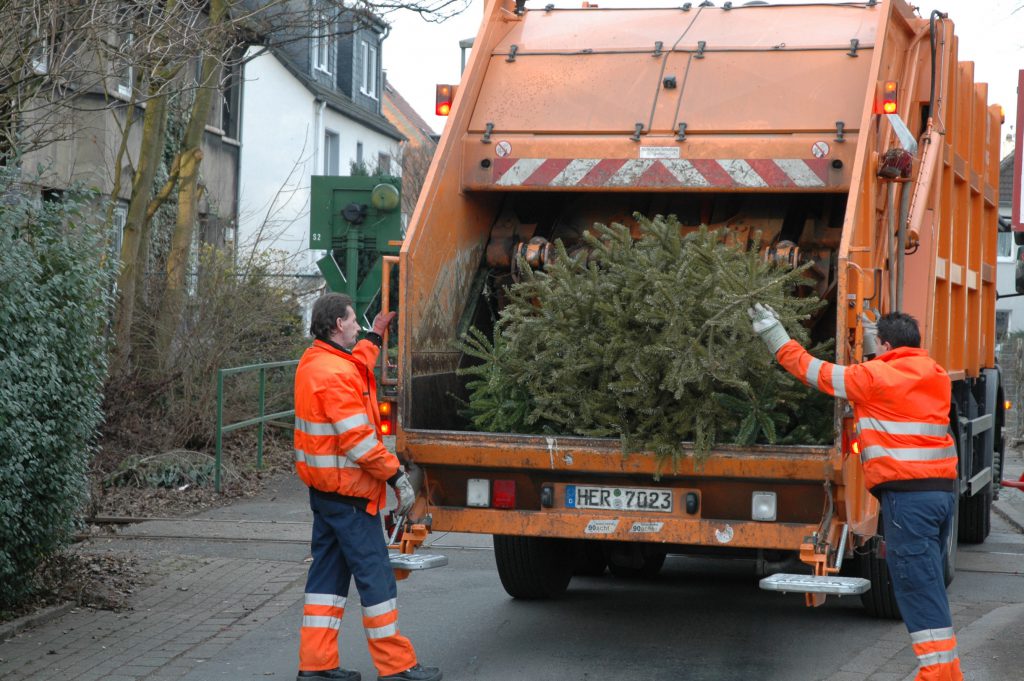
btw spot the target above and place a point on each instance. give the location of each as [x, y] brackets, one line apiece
[848, 136]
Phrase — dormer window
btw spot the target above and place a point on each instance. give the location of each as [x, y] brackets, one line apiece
[369, 86]
[321, 41]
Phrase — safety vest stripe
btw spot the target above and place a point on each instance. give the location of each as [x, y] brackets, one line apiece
[839, 380]
[317, 460]
[927, 635]
[321, 622]
[330, 600]
[908, 453]
[813, 370]
[941, 657]
[382, 632]
[380, 608]
[358, 450]
[902, 427]
[337, 428]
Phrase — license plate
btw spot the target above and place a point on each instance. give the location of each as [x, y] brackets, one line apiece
[618, 498]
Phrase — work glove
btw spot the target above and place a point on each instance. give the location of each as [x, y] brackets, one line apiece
[405, 493]
[870, 342]
[768, 327]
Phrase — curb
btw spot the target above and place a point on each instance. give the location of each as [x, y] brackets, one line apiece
[14, 627]
[1010, 515]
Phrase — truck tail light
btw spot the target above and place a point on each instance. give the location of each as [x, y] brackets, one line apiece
[387, 420]
[886, 101]
[444, 96]
[504, 494]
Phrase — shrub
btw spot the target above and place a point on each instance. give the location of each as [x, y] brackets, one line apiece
[55, 284]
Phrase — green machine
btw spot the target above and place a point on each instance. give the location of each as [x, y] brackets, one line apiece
[356, 220]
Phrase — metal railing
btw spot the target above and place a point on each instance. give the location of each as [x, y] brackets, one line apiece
[262, 419]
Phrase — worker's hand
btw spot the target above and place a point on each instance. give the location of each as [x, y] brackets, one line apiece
[870, 342]
[381, 321]
[405, 493]
[768, 326]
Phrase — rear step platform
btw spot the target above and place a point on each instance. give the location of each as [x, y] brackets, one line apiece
[838, 586]
[416, 561]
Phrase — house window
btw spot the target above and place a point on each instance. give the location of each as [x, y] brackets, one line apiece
[359, 152]
[125, 72]
[120, 218]
[383, 164]
[231, 101]
[369, 87]
[1004, 250]
[332, 152]
[321, 42]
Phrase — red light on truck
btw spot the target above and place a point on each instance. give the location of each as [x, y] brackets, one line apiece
[387, 423]
[886, 100]
[444, 96]
[504, 494]
[855, 447]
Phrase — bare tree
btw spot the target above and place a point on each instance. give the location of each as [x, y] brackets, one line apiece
[65, 64]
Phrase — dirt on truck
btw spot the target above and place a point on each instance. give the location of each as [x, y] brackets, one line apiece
[849, 137]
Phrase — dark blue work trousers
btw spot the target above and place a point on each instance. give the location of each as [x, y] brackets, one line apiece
[917, 528]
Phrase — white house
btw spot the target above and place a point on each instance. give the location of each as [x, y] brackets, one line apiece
[1009, 310]
[311, 106]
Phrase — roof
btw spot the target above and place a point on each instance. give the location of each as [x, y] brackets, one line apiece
[404, 110]
[1006, 180]
[338, 101]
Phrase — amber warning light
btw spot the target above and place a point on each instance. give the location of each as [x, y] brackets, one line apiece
[445, 95]
[886, 102]
[387, 422]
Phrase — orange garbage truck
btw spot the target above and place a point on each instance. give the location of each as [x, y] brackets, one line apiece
[848, 136]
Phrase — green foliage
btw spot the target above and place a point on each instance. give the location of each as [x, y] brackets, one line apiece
[55, 285]
[648, 341]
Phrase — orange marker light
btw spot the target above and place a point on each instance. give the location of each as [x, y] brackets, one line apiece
[855, 446]
[1007, 405]
[385, 408]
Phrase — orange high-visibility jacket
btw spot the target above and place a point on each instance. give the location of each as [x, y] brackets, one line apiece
[338, 446]
[901, 403]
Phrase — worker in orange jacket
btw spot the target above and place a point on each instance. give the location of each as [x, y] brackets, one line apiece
[901, 405]
[340, 455]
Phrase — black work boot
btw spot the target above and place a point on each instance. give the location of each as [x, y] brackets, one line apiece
[336, 674]
[416, 673]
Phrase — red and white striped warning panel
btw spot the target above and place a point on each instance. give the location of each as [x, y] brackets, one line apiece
[645, 172]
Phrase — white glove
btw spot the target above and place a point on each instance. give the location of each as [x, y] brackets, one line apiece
[768, 327]
[870, 342]
[405, 493]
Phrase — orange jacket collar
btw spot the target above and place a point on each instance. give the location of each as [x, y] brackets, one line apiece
[901, 352]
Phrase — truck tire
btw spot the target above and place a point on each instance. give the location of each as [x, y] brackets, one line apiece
[879, 600]
[976, 516]
[591, 560]
[533, 567]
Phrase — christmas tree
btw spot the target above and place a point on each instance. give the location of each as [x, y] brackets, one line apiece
[649, 341]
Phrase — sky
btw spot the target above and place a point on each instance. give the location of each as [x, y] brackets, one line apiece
[418, 54]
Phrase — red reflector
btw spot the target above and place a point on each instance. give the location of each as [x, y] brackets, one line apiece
[504, 495]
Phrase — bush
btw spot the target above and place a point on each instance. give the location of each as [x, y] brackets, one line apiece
[237, 315]
[55, 285]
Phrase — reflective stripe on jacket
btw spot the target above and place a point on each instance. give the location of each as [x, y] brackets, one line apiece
[338, 444]
[901, 403]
